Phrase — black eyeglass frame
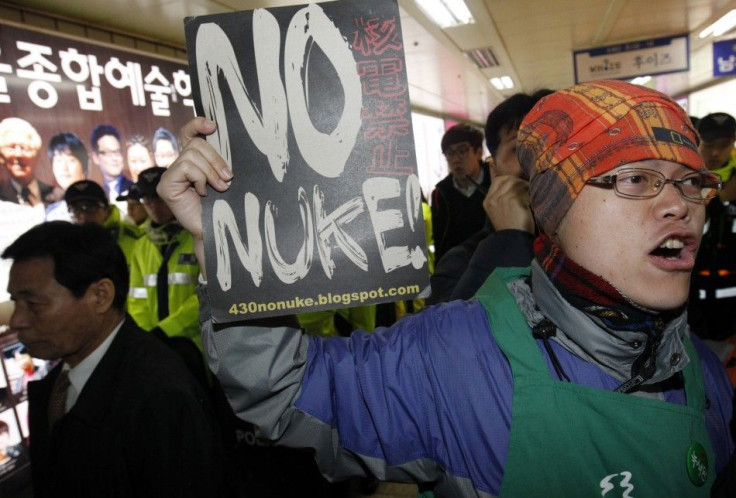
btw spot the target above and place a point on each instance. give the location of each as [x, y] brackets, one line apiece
[461, 152]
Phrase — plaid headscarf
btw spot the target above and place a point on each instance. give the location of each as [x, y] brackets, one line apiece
[576, 134]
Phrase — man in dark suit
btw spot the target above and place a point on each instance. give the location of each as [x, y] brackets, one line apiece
[19, 146]
[120, 415]
[107, 154]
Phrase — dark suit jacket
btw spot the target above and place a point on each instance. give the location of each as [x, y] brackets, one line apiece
[48, 193]
[124, 184]
[140, 427]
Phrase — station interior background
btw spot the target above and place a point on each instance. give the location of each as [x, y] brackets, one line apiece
[451, 70]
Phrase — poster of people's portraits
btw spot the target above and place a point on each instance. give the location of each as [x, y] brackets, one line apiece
[74, 109]
[312, 110]
[71, 109]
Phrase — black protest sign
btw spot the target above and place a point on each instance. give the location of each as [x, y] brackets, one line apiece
[312, 109]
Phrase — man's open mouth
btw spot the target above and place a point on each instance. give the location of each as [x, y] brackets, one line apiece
[669, 249]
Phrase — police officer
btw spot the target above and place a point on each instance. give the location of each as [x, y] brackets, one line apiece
[136, 212]
[87, 203]
[712, 308]
[163, 270]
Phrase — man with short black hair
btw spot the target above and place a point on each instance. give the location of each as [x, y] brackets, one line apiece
[107, 154]
[457, 200]
[119, 415]
[506, 239]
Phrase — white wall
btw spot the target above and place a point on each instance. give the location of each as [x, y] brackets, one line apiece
[717, 98]
[431, 164]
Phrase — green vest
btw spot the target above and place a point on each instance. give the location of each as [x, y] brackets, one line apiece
[572, 440]
[124, 232]
[183, 273]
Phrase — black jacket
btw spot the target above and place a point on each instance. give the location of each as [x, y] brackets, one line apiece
[712, 305]
[49, 194]
[140, 427]
[454, 216]
[465, 267]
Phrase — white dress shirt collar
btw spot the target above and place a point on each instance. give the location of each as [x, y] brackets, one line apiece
[79, 375]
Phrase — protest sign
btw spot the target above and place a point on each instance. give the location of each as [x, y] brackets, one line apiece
[312, 108]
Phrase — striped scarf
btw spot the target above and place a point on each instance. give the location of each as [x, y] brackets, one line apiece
[596, 296]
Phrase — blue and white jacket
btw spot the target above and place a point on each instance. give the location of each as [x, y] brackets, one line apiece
[426, 400]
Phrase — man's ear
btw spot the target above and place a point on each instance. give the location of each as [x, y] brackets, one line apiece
[101, 294]
[492, 166]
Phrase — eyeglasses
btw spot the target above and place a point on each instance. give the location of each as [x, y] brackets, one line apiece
[461, 152]
[636, 183]
[106, 153]
[85, 207]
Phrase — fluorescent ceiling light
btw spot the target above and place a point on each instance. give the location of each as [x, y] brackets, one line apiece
[502, 83]
[482, 57]
[641, 80]
[722, 25]
[446, 13]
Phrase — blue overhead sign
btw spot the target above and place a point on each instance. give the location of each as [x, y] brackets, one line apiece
[630, 60]
[724, 58]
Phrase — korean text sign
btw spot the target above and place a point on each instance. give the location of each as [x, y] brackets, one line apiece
[724, 58]
[629, 60]
[42, 71]
[312, 108]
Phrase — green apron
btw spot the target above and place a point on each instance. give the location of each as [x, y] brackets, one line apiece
[571, 440]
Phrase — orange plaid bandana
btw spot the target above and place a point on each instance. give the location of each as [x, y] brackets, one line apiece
[576, 134]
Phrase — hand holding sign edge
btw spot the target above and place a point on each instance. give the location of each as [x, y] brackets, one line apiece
[185, 182]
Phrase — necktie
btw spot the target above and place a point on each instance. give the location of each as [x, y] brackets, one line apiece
[57, 400]
[25, 195]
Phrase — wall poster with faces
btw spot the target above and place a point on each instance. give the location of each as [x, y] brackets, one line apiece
[60, 94]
